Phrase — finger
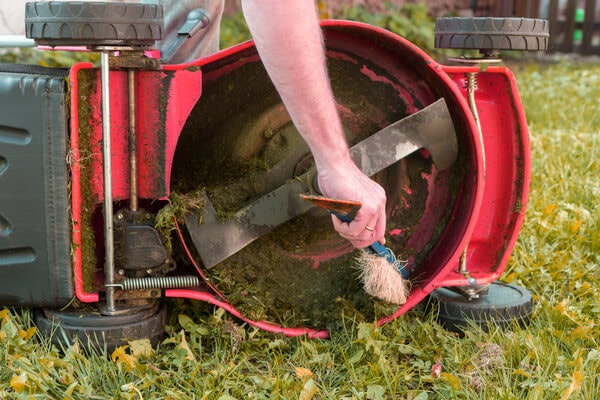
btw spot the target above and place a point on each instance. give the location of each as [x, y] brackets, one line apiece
[375, 226]
[361, 244]
[380, 228]
[345, 229]
[358, 237]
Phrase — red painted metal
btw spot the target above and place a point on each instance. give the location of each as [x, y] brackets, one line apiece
[506, 184]
[506, 142]
[489, 211]
[165, 99]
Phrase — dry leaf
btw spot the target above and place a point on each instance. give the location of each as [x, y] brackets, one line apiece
[18, 382]
[309, 390]
[189, 355]
[120, 356]
[574, 386]
[141, 348]
[303, 372]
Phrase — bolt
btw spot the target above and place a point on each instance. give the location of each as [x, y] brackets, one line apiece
[278, 140]
[268, 133]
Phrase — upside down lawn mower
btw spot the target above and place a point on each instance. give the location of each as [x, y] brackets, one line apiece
[171, 170]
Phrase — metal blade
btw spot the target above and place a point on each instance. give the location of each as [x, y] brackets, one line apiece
[430, 128]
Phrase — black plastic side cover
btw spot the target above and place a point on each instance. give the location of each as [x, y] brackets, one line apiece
[35, 232]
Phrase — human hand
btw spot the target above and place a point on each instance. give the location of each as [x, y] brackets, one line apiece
[348, 182]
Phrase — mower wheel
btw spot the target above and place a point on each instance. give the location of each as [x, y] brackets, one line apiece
[81, 23]
[97, 331]
[484, 33]
[503, 305]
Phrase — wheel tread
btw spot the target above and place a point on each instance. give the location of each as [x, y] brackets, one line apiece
[454, 311]
[93, 23]
[528, 34]
[94, 330]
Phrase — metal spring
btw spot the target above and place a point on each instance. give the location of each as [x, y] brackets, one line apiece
[471, 83]
[159, 282]
[471, 89]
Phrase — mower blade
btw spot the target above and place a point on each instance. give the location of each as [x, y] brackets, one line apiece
[430, 128]
[215, 240]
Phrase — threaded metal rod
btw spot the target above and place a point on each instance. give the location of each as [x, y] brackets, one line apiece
[133, 185]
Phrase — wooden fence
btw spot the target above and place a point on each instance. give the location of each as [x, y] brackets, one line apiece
[574, 24]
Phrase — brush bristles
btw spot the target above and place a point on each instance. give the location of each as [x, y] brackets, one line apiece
[381, 279]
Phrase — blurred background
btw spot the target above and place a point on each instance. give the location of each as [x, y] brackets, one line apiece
[574, 24]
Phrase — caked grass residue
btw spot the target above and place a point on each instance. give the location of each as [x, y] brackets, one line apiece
[239, 144]
[303, 273]
[178, 206]
[89, 258]
[279, 279]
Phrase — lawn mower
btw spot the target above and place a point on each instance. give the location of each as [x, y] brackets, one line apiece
[151, 176]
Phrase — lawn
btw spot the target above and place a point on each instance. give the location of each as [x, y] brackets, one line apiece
[209, 355]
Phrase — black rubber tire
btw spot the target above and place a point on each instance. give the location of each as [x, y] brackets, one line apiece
[85, 23]
[528, 34]
[504, 305]
[96, 331]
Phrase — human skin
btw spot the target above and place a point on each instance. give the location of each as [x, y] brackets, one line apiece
[289, 41]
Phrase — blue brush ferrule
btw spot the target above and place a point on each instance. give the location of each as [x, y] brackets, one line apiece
[379, 249]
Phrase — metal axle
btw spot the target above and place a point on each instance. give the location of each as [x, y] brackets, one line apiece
[109, 245]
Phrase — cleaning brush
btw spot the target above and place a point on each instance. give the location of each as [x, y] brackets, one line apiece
[382, 274]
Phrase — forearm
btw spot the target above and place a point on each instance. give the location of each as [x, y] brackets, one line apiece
[289, 41]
